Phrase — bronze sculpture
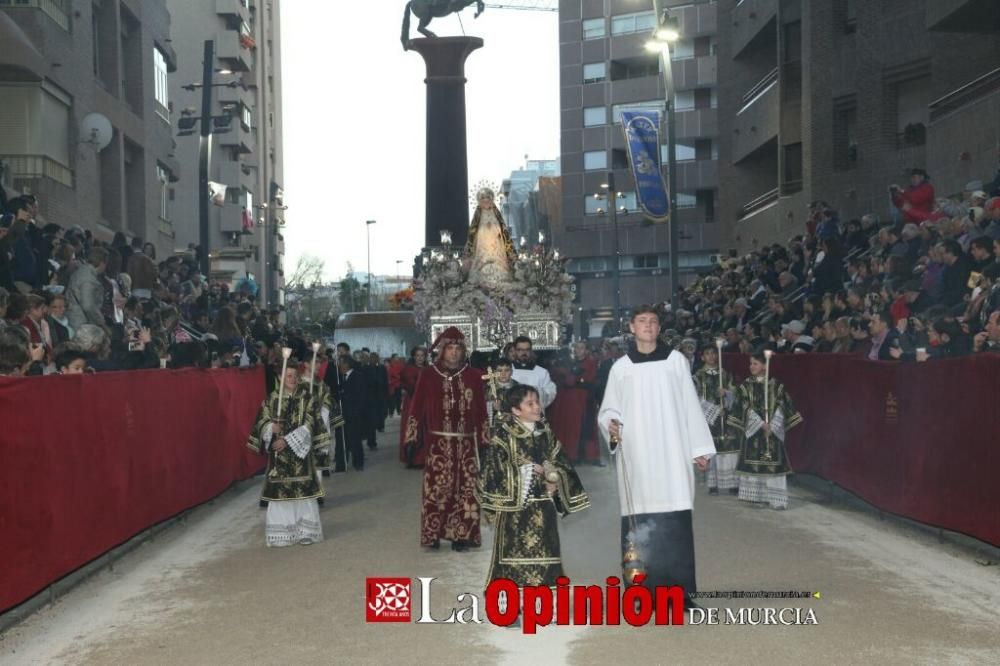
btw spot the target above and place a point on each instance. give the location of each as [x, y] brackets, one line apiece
[427, 10]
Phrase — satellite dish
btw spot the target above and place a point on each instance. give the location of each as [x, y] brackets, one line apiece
[96, 130]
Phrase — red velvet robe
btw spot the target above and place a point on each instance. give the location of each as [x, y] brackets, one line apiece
[572, 415]
[447, 415]
[408, 382]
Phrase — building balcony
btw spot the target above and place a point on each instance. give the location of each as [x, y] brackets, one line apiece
[57, 10]
[692, 73]
[231, 173]
[749, 18]
[229, 50]
[757, 121]
[697, 175]
[960, 98]
[980, 16]
[238, 137]
[758, 205]
[231, 218]
[33, 167]
[234, 9]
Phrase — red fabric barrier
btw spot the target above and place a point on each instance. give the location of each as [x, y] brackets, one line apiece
[919, 440]
[89, 461]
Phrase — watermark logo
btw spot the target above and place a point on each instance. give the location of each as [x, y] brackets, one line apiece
[387, 599]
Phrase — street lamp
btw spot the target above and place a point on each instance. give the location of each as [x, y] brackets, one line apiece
[612, 196]
[368, 228]
[666, 33]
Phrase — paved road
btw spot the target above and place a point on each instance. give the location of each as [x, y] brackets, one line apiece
[209, 592]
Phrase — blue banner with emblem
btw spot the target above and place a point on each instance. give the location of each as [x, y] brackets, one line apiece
[642, 136]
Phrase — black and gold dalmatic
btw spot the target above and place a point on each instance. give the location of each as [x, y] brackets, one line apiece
[706, 382]
[760, 454]
[289, 477]
[323, 399]
[511, 494]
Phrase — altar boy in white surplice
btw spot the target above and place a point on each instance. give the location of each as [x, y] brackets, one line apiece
[653, 422]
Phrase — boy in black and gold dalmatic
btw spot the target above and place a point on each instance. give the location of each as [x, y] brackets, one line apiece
[525, 482]
[291, 487]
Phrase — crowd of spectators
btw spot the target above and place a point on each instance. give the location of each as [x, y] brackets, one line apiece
[923, 284]
[71, 303]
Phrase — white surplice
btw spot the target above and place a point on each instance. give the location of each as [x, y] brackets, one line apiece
[664, 430]
[538, 378]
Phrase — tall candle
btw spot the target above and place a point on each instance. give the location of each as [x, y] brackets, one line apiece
[286, 353]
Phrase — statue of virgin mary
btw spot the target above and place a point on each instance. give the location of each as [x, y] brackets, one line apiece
[489, 244]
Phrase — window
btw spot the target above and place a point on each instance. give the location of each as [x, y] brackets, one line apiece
[595, 159]
[246, 117]
[595, 206]
[593, 28]
[911, 99]
[793, 166]
[627, 24]
[793, 41]
[163, 179]
[685, 152]
[706, 202]
[594, 72]
[686, 200]
[589, 264]
[35, 122]
[160, 82]
[845, 134]
[95, 26]
[652, 105]
[646, 261]
[682, 49]
[595, 115]
[684, 100]
[628, 201]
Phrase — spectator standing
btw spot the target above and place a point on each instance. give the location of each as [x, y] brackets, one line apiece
[141, 267]
[85, 293]
[917, 201]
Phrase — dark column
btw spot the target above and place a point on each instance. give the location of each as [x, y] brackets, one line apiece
[447, 159]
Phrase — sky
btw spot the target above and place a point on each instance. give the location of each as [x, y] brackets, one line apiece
[343, 72]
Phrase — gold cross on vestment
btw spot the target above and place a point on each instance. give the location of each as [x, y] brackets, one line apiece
[491, 381]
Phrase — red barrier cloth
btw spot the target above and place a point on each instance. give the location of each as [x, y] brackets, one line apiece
[89, 461]
[919, 440]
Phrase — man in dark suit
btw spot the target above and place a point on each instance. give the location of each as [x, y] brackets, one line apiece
[354, 398]
[363, 365]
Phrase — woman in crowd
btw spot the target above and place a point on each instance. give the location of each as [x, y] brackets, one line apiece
[59, 327]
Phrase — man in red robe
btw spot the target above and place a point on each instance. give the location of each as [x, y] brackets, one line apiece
[413, 454]
[447, 415]
[573, 415]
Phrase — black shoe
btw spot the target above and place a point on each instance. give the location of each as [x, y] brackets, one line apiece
[340, 470]
[263, 504]
[713, 491]
[459, 546]
[321, 501]
[326, 472]
[436, 545]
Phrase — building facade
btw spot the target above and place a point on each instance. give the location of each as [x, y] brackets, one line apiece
[246, 230]
[63, 61]
[526, 209]
[605, 68]
[838, 99]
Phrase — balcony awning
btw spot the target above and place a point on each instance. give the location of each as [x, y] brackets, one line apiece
[19, 59]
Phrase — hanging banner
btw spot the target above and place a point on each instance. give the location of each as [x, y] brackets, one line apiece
[642, 136]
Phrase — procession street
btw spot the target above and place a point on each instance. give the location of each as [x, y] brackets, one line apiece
[207, 591]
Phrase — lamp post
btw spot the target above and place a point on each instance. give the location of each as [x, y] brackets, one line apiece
[612, 196]
[398, 262]
[665, 34]
[204, 158]
[368, 228]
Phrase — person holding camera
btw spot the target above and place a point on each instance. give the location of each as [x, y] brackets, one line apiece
[917, 201]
